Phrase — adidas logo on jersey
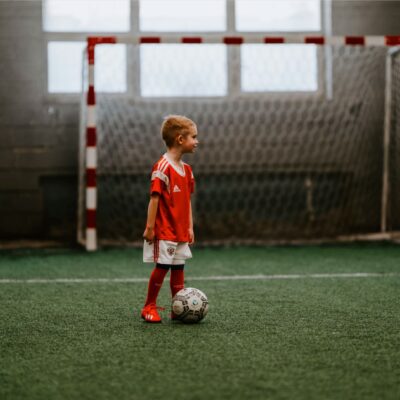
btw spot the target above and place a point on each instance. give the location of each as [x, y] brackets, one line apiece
[176, 189]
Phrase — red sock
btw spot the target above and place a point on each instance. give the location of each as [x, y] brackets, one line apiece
[155, 283]
[177, 281]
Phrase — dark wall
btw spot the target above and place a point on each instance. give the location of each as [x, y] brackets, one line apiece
[38, 139]
[39, 136]
[366, 17]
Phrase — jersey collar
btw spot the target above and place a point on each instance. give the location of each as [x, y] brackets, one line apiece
[180, 171]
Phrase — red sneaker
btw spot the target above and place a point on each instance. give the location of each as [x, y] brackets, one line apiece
[150, 314]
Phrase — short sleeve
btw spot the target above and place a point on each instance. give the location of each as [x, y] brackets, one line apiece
[156, 186]
[159, 181]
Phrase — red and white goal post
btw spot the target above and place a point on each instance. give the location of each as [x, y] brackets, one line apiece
[89, 161]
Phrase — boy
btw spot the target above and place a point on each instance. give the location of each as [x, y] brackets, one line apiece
[169, 227]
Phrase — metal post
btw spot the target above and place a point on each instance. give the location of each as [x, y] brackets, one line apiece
[386, 139]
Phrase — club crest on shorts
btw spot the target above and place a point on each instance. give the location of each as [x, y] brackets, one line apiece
[170, 251]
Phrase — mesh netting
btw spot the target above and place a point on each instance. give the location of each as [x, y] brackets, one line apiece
[268, 168]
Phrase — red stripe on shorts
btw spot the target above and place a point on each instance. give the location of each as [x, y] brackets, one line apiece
[156, 250]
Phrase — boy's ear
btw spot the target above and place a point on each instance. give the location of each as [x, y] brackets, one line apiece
[179, 139]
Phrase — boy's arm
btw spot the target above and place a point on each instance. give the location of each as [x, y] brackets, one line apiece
[191, 232]
[148, 234]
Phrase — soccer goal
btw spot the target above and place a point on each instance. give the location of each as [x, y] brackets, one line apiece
[299, 136]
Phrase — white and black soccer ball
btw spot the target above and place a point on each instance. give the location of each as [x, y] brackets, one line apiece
[190, 305]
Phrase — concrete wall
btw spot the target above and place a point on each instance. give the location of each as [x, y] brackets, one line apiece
[38, 136]
[38, 139]
[366, 17]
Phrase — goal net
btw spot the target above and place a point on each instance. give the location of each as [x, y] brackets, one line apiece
[274, 164]
[393, 117]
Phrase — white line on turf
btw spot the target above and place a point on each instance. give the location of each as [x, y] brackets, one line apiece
[206, 278]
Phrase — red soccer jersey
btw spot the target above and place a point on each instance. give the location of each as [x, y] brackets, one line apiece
[174, 187]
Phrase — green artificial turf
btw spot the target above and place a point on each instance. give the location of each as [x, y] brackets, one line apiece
[328, 338]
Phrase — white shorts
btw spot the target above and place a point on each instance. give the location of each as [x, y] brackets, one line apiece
[166, 252]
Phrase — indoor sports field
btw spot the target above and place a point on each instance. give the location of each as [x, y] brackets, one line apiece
[263, 136]
[284, 323]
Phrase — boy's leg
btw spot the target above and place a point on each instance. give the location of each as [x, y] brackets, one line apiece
[163, 253]
[160, 252]
[177, 275]
[155, 282]
[177, 280]
[149, 311]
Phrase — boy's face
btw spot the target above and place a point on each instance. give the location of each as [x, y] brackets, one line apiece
[189, 142]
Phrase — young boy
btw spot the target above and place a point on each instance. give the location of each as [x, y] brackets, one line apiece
[169, 228]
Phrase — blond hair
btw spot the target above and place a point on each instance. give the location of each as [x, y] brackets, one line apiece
[175, 125]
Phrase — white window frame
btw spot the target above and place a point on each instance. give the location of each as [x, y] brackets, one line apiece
[322, 62]
[48, 37]
[230, 30]
[233, 68]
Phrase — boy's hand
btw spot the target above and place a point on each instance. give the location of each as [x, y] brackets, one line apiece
[148, 235]
[191, 236]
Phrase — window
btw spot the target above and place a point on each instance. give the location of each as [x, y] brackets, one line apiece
[182, 15]
[279, 68]
[86, 15]
[183, 70]
[72, 18]
[187, 70]
[65, 67]
[278, 15]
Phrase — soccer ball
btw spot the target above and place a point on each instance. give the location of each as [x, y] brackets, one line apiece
[190, 305]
